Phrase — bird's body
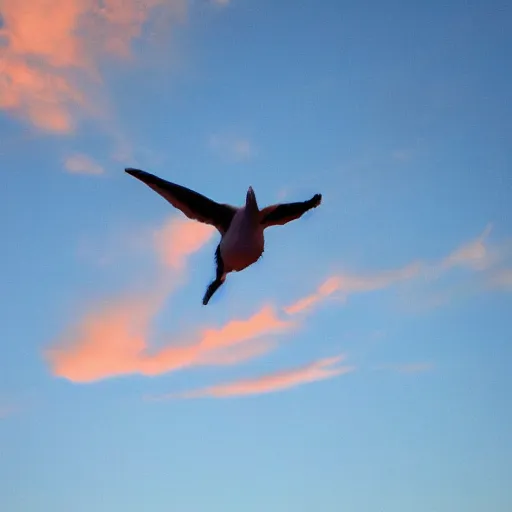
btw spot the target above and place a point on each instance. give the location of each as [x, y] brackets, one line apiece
[241, 228]
[243, 243]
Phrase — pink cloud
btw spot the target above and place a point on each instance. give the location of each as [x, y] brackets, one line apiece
[82, 164]
[273, 382]
[325, 290]
[347, 284]
[107, 342]
[46, 66]
[114, 341]
[475, 255]
[178, 239]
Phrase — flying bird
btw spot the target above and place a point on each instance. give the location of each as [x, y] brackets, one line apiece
[241, 228]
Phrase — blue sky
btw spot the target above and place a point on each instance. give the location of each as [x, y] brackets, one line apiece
[363, 363]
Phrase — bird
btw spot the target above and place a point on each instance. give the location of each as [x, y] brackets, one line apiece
[241, 227]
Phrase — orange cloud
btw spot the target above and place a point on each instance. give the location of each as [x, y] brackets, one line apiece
[213, 342]
[475, 255]
[180, 238]
[106, 342]
[270, 383]
[325, 290]
[348, 284]
[114, 341]
[45, 65]
[82, 164]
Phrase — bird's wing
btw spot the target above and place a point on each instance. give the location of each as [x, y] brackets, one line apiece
[194, 205]
[279, 214]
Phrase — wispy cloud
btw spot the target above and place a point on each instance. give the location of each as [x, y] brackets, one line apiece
[51, 70]
[178, 239]
[477, 255]
[270, 383]
[325, 290]
[82, 164]
[232, 147]
[115, 339]
[474, 255]
[346, 284]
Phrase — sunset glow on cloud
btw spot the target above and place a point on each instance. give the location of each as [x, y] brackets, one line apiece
[115, 339]
[45, 71]
[270, 383]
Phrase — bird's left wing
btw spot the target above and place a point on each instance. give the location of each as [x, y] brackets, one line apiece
[194, 205]
[279, 214]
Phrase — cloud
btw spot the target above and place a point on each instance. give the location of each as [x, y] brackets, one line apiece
[114, 341]
[474, 255]
[82, 164]
[325, 290]
[178, 239]
[114, 337]
[232, 148]
[273, 382]
[347, 284]
[50, 67]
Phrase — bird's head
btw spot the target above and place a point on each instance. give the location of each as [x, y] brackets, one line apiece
[250, 201]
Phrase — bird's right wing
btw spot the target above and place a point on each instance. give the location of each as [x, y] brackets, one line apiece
[279, 214]
[194, 205]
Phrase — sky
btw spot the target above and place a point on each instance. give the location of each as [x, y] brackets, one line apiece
[363, 364]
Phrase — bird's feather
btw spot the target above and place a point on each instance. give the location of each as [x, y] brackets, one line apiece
[194, 205]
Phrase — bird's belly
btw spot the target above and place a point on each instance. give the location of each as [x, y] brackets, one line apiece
[238, 252]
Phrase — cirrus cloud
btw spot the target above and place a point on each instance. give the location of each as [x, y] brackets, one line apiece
[321, 369]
